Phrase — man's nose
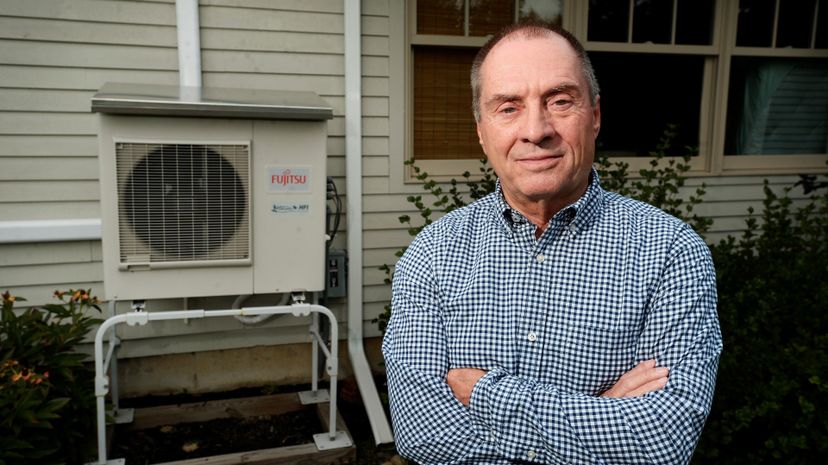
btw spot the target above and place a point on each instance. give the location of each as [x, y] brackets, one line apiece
[538, 125]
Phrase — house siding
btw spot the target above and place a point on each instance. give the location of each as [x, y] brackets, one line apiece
[54, 55]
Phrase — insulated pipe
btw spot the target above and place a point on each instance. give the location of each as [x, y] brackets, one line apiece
[189, 43]
[254, 320]
[353, 175]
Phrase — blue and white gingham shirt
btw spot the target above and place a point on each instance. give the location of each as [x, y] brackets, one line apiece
[555, 322]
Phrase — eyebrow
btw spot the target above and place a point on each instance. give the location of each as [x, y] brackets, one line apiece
[565, 88]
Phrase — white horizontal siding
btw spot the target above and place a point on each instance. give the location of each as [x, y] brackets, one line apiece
[48, 168]
[62, 209]
[81, 55]
[91, 79]
[33, 191]
[14, 145]
[47, 253]
[120, 12]
[87, 32]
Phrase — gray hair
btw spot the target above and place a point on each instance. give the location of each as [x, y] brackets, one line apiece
[531, 30]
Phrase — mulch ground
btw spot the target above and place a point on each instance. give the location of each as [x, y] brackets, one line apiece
[230, 435]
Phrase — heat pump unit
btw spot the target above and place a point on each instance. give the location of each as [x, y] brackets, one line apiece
[211, 191]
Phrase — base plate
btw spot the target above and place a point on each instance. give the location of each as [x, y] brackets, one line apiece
[122, 415]
[324, 442]
[314, 397]
[110, 462]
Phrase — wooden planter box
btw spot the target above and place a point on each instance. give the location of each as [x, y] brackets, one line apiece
[273, 405]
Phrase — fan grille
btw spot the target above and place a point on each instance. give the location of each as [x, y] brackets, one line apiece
[183, 202]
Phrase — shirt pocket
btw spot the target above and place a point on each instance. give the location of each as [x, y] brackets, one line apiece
[595, 355]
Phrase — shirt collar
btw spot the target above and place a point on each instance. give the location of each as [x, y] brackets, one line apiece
[577, 216]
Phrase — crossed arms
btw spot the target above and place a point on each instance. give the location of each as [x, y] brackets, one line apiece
[453, 414]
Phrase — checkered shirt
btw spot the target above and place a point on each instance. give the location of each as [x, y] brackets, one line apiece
[555, 321]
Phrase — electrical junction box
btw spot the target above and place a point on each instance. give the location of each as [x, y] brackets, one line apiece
[211, 191]
[337, 274]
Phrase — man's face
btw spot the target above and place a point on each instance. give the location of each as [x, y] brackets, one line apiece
[537, 124]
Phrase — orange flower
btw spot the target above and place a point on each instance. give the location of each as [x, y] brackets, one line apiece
[7, 297]
[16, 377]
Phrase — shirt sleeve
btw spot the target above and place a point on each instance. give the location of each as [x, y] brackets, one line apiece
[430, 425]
[541, 423]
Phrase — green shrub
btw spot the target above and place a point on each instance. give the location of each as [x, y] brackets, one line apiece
[47, 398]
[773, 376]
[660, 184]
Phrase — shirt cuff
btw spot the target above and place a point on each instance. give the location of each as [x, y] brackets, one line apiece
[493, 418]
[481, 407]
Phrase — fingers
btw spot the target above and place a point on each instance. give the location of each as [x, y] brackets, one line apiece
[653, 385]
[462, 381]
[643, 378]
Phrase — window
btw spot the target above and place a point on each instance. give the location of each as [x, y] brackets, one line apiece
[638, 105]
[777, 106]
[778, 85]
[744, 82]
[652, 60]
[443, 40]
[766, 60]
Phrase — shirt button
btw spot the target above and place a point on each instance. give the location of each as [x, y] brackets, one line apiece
[540, 258]
[532, 336]
[531, 454]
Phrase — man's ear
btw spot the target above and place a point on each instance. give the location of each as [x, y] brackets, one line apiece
[480, 136]
[596, 116]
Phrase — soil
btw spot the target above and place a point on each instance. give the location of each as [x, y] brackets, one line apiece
[230, 435]
[215, 437]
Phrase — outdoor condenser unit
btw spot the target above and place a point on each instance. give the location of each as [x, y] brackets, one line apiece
[211, 191]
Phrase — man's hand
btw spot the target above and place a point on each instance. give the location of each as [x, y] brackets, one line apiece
[644, 378]
[462, 381]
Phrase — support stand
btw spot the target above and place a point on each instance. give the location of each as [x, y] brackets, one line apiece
[332, 439]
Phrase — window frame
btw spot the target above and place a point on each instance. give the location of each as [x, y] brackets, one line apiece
[702, 163]
[711, 160]
[759, 164]
[440, 170]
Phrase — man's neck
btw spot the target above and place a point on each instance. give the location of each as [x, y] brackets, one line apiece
[540, 212]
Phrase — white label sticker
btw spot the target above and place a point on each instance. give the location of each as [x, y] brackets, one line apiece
[279, 208]
[288, 179]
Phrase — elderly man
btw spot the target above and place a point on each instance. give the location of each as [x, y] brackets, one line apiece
[551, 321]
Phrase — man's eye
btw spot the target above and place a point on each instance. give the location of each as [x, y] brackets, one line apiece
[508, 110]
[561, 103]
